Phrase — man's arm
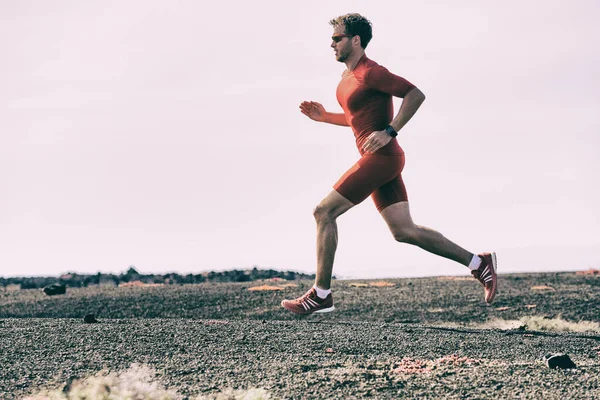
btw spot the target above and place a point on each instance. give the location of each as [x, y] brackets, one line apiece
[336, 119]
[316, 112]
[410, 104]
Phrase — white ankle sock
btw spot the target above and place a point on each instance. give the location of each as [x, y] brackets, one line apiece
[475, 262]
[322, 293]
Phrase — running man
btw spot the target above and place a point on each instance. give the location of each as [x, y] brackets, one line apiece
[365, 95]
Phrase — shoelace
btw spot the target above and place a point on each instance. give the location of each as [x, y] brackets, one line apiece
[306, 295]
[304, 300]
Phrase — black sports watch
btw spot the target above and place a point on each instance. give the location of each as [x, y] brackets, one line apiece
[391, 131]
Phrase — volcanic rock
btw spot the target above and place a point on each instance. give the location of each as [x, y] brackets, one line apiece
[90, 319]
[561, 361]
[54, 289]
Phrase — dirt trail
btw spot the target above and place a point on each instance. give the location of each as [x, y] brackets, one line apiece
[385, 340]
[312, 358]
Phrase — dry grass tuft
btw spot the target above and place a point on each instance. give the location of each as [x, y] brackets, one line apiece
[559, 325]
[356, 284]
[501, 324]
[536, 323]
[264, 288]
[435, 310]
[456, 278]
[12, 288]
[542, 287]
[139, 284]
[382, 284]
[137, 383]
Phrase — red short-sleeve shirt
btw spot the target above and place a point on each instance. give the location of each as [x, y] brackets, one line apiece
[365, 95]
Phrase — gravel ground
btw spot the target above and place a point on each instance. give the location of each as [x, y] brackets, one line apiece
[313, 358]
[422, 300]
[382, 342]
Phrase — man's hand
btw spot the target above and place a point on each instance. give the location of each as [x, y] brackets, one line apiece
[313, 110]
[375, 141]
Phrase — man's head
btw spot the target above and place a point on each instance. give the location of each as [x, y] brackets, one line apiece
[350, 31]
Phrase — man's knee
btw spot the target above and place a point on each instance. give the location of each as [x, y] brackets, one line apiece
[406, 234]
[323, 213]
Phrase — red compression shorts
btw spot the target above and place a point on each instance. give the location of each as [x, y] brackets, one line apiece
[375, 175]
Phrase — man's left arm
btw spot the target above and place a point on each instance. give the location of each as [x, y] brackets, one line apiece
[410, 104]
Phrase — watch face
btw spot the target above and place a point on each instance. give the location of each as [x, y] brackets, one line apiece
[391, 131]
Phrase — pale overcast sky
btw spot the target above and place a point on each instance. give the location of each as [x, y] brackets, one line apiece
[167, 135]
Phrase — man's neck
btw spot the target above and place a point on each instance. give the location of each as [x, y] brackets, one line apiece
[353, 60]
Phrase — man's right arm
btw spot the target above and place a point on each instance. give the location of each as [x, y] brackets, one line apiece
[336, 119]
[317, 112]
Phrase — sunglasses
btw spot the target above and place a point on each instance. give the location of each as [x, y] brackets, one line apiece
[338, 38]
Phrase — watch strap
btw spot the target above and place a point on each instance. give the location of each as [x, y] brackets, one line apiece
[391, 131]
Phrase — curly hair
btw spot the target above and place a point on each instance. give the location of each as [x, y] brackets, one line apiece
[355, 24]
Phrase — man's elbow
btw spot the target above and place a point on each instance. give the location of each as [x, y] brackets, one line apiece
[418, 95]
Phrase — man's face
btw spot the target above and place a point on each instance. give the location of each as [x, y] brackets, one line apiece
[341, 43]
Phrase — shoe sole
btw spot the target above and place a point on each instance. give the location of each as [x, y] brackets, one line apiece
[324, 310]
[495, 266]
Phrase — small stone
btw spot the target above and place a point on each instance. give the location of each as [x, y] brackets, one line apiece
[90, 319]
[561, 361]
[55, 288]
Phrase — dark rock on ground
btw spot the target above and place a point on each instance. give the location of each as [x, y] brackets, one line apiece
[90, 319]
[54, 289]
[562, 361]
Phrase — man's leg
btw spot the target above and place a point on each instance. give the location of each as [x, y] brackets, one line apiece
[319, 298]
[483, 266]
[397, 216]
[326, 214]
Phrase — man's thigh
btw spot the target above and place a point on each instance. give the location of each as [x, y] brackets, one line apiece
[367, 175]
[390, 193]
[397, 217]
